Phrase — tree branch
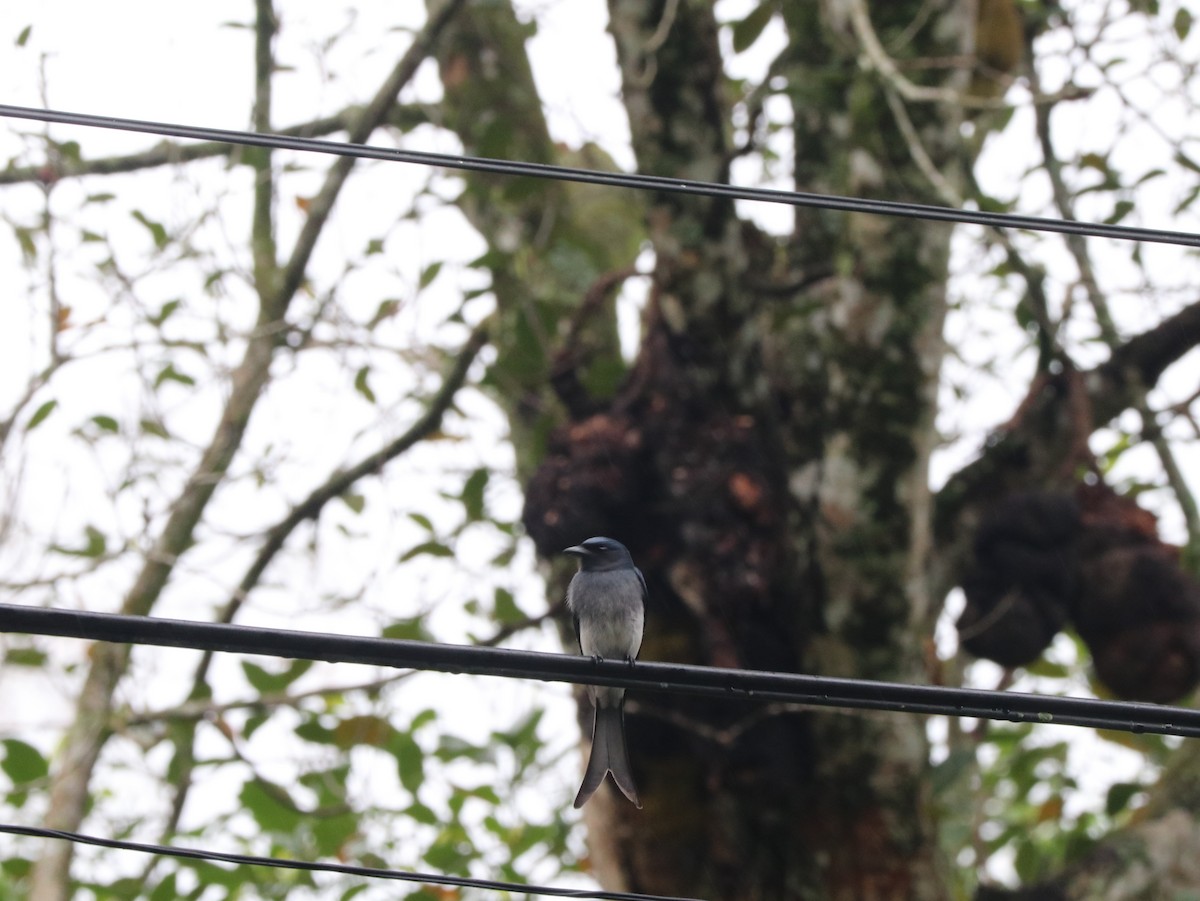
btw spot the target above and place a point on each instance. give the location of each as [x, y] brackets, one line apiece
[878, 59]
[1140, 362]
[371, 117]
[86, 737]
[1078, 248]
[1015, 457]
[199, 704]
[266, 270]
[262, 232]
[167, 153]
[339, 483]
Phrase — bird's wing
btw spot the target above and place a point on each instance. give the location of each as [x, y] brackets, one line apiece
[578, 640]
[642, 579]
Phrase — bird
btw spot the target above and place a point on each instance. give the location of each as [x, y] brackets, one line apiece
[607, 599]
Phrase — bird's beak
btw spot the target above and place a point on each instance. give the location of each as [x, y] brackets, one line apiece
[577, 550]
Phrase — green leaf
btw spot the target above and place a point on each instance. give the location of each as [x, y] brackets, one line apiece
[374, 246]
[266, 682]
[40, 414]
[165, 312]
[485, 793]
[271, 806]
[1187, 201]
[748, 29]
[386, 310]
[422, 520]
[1119, 795]
[363, 730]
[1047, 669]
[948, 775]
[422, 814]
[157, 232]
[1186, 161]
[23, 37]
[431, 548]
[314, 731]
[165, 890]
[23, 762]
[505, 609]
[106, 423]
[93, 547]
[424, 718]
[410, 760]
[428, 274]
[472, 494]
[1121, 209]
[26, 242]
[332, 833]
[24, 657]
[448, 855]
[170, 374]
[153, 427]
[409, 629]
[355, 502]
[522, 738]
[1182, 23]
[361, 386]
[68, 151]
[16, 867]
[451, 747]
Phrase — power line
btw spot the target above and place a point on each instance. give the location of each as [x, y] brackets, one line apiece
[731, 684]
[248, 860]
[613, 179]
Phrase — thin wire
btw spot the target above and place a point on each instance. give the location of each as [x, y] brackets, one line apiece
[732, 684]
[614, 179]
[248, 860]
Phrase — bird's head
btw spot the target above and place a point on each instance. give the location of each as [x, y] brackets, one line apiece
[601, 554]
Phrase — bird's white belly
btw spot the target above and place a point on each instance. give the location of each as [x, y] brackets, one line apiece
[617, 637]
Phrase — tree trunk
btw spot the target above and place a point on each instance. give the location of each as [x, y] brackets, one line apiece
[771, 448]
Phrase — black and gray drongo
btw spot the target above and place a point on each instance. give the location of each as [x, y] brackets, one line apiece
[607, 598]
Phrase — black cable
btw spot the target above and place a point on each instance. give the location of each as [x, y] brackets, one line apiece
[248, 860]
[614, 179]
[733, 684]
